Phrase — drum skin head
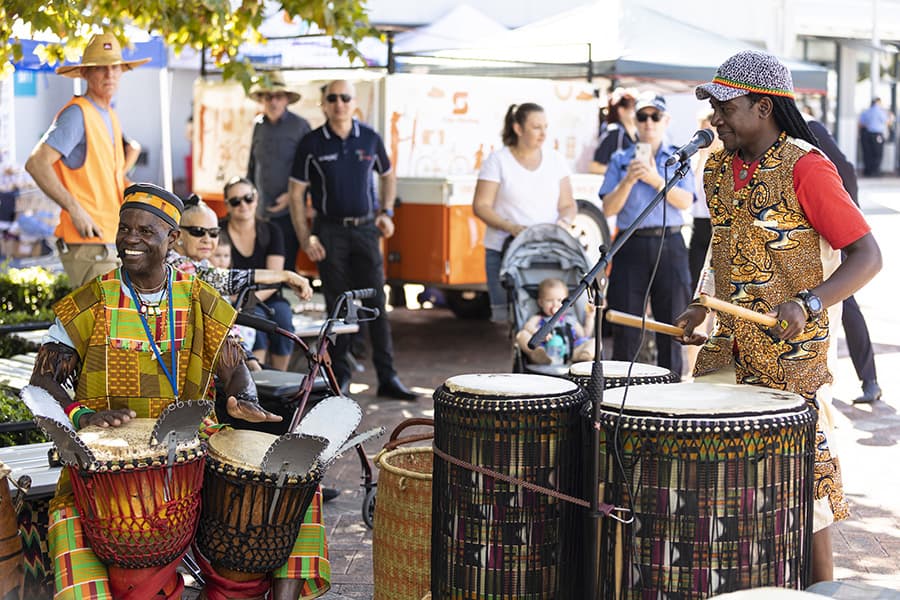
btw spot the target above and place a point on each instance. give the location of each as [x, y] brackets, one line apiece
[182, 417]
[297, 452]
[511, 385]
[618, 368]
[687, 399]
[769, 593]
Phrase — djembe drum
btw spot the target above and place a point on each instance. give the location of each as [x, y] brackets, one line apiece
[250, 519]
[720, 480]
[492, 538]
[615, 374]
[137, 512]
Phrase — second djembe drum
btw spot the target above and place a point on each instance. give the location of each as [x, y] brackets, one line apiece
[493, 538]
[719, 479]
[250, 519]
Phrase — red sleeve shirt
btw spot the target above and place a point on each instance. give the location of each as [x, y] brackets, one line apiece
[824, 200]
[826, 203]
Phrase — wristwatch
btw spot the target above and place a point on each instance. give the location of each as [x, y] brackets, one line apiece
[387, 211]
[812, 303]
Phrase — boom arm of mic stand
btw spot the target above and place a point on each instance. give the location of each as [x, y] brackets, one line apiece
[596, 384]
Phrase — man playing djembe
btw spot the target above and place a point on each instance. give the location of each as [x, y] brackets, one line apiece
[130, 343]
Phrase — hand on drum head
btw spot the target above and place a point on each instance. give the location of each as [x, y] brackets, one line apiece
[692, 317]
[107, 418]
[249, 411]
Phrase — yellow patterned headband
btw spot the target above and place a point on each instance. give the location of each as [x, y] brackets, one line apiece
[161, 202]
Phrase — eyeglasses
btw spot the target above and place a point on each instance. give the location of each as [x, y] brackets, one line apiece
[236, 201]
[642, 117]
[197, 232]
[345, 98]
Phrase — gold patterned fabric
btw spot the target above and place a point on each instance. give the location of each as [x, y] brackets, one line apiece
[119, 366]
[764, 251]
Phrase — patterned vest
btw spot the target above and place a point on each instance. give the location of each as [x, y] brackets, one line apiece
[118, 366]
[99, 184]
[764, 251]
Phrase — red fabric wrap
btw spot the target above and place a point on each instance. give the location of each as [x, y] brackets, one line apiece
[219, 587]
[152, 582]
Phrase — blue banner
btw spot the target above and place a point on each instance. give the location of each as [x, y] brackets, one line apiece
[154, 49]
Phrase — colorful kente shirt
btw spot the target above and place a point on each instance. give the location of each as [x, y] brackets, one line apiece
[119, 367]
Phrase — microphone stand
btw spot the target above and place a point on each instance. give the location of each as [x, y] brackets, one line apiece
[596, 384]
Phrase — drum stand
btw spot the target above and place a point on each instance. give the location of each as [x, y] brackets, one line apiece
[595, 279]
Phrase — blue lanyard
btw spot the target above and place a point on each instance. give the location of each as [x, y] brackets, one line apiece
[172, 380]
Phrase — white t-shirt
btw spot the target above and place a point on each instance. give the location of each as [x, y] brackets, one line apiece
[524, 197]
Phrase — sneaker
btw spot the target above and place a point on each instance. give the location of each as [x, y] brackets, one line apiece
[329, 494]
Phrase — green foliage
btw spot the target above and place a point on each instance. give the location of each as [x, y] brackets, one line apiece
[27, 294]
[219, 26]
[12, 410]
[11, 345]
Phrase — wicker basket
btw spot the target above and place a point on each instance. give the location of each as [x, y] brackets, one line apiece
[401, 540]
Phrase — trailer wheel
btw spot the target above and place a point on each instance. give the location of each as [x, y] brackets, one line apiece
[469, 304]
[592, 229]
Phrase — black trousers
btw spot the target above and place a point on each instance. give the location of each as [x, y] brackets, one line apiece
[353, 260]
[858, 342]
[291, 245]
[669, 294]
[872, 151]
[699, 245]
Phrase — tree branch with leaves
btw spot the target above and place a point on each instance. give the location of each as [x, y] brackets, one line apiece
[217, 26]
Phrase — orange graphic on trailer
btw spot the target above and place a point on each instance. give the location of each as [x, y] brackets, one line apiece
[460, 103]
[479, 157]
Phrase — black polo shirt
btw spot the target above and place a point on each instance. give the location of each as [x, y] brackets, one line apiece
[339, 171]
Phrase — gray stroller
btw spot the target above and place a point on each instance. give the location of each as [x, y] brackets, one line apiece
[539, 252]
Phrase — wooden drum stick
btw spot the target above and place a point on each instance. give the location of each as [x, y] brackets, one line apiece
[737, 311]
[620, 318]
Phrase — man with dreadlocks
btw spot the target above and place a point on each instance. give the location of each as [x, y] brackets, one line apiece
[780, 217]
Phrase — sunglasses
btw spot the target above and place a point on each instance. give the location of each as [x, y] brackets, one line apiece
[642, 117]
[198, 232]
[236, 201]
[273, 95]
[345, 98]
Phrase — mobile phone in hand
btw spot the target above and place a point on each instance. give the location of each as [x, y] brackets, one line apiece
[642, 152]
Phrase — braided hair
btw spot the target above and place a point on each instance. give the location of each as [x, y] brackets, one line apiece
[788, 117]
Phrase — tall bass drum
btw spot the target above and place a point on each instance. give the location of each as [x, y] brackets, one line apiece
[492, 538]
[720, 480]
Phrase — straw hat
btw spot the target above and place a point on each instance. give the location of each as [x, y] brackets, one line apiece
[276, 84]
[102, 51]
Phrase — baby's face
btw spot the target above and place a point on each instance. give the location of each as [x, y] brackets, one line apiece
[221, 257]
[550, 300]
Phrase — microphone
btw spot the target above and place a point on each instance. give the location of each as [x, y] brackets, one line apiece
[701, 139]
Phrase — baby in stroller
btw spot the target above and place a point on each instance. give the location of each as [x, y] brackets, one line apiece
[546, 252]
[569, 340]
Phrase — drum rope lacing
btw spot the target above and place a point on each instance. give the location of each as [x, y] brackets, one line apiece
[607, 510]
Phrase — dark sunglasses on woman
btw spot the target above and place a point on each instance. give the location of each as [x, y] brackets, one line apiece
[197, 232]
[345, 98]
[642, 116]
[236, 201]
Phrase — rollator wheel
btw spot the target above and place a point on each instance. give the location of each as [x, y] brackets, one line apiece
[368, 508]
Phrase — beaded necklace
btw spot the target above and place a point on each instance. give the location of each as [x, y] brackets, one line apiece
[744, 192]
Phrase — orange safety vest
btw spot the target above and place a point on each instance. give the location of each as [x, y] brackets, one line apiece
[99, 184]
